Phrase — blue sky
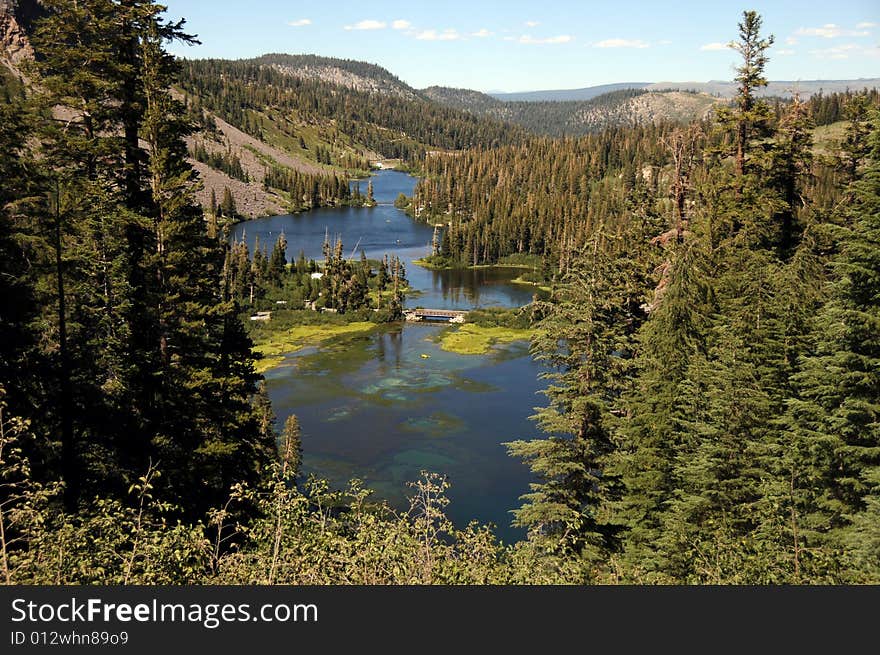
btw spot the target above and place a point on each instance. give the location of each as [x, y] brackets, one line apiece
[517, 46]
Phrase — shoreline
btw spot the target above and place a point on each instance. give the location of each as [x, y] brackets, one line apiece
[304, 211]
[341, 206]
[433, 267]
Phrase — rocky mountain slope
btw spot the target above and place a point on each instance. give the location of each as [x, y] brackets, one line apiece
[651, 107]
[357, 75]
[253, 198]
[16, 19]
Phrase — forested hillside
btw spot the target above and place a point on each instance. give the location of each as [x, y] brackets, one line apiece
[711, 340]
[280, 117]
[251, 93]
[622, 107]
[564, 95]
[710, 343]
[546, 197]
[713, 360]
[120, 334]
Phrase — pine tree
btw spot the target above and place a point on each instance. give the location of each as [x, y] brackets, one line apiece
[151, 360]
[674, 336]
[278, 260]
[264, 414]
[836, 413]
[750, 112]
[855, 143]
[383, 275]
[20, 200]
[291, 448]
[791, 167]
[204, 356]
[585, 340]
[96, 238]
[227, 204]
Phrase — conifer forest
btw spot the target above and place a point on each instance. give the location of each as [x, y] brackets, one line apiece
[705, 316]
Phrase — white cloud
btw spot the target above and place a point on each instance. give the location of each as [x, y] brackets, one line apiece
[482, 33]
[562, 38]
[510, 38]
[830, 31]
[302, 22]
[532, 23]
[664, 42]
[846, 51]
[865, 25]
[367, 25]
[401, 24]
[791, 41]
[785, 53]
[622, 43]
[715, 46]
[434, 35]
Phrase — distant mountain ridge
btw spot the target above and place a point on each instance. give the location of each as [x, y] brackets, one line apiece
[551, 112]
[622, 106]
[586, 93]
[721, 88]
[466, 99]
[580, 111]
[780, 88]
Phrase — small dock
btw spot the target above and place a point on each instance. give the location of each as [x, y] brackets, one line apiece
[443, 315]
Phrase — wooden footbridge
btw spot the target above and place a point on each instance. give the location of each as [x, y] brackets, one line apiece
[448, 315]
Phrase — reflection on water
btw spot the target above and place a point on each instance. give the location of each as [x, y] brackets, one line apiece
[385, 230]
[469, 288]
[384, 406]
[375, 408]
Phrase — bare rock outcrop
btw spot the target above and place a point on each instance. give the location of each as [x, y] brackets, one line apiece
[340, 77]
[16, 21]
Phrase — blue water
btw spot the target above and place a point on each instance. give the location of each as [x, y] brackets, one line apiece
[382, 230]
[384, 406]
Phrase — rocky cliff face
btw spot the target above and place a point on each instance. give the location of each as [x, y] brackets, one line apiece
[16, 20]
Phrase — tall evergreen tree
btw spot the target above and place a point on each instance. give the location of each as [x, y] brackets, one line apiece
[20, 243]
[205, 365]
[659, 407]
[750, 112]
[837, 413]
[152, 364]
[585, 339]
[291, 448]
[790, 167]
[278, 260]
[92, 267]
